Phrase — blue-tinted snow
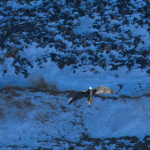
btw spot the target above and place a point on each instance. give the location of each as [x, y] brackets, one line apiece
[103, 119]
[49, 117]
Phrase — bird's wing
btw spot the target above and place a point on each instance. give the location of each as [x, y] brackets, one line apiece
[102, 89]
[79, 95]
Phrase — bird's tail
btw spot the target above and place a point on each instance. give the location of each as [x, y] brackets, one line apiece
[69, 101]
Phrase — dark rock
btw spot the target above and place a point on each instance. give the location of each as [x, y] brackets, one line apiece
[125, 53]
[91, 58]
[140, 22]
[85, 44]
[11, 52]
[118, 47]
[148, 29]
[114, 67]
[148, 71]
[25, 73]
[107, 51]
[5, 71]
[113, 46]
[103, 45]
[1, 61]
[101, 50]
[145, 53]
[61, 44]
[67, 62]
[141, 61]
[72, 60]
[96, 72]
[44, 58]
[92, 69]
[96, 26]
[89, 52]
[17, 42]
[75, 67]
[128, 43]
[53, 55]
[61, 64]
[103, 63]
[83, 57]
[125, 21]
[130, 64]
[115, 17]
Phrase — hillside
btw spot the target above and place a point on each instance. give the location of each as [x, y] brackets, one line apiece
[51, 49]
[32, 119]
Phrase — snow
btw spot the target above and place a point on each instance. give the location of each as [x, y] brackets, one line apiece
[16, 5]
[65, 79]
[30, 118]
[85, 25]
[39, 116]
[50, 117]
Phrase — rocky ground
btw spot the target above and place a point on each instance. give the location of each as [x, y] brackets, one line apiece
[87, 143]
[113, 33]
[105, 34]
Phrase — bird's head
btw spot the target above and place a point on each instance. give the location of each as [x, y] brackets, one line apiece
[90, 88]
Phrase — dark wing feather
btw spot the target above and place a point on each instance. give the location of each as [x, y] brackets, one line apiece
[79, 95]
[102, 89]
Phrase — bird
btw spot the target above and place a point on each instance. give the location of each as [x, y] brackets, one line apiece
[90, 93]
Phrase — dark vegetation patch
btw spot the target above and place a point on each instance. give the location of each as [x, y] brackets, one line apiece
[52, 90]
[88, 143]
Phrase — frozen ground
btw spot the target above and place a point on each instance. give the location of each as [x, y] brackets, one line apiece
[38, 119]
[106, 44]
[34, 119]
[133, 82]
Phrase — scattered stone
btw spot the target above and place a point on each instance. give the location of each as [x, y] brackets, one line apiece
[67, 62]
[84, 44]
[73, 60]
[92, 69]
[1, 61]
[60, 25]
[83, 57]
[148, 64]
[101, 50]
[141, 61]
[130, 64]
[118, 47]
[53, 55]
[5, 71]
[103, 45]
[107, 47]
[61, 64]
[96, 72]
[145, 53]
[11, 52]
[148, 71]
[107, 51]
[128, 43]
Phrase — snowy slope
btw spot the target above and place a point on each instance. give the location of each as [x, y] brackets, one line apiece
[60, 47]
[38, 119]
[134, 82]
[100, 47]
